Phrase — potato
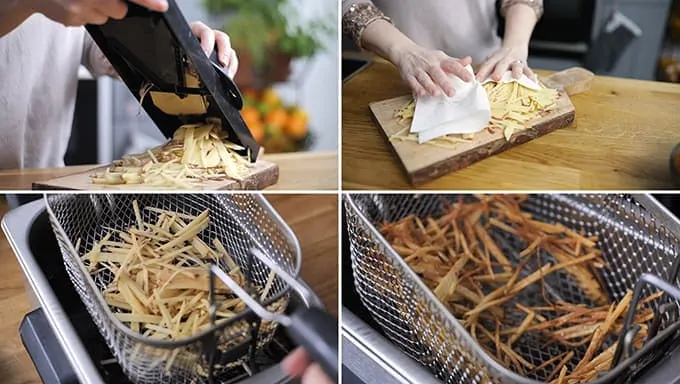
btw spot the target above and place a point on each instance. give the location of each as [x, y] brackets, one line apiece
[161, 274]
[197, 152]
[512, 107]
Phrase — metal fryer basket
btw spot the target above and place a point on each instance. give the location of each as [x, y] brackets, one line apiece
[239, 221]
[636, 236]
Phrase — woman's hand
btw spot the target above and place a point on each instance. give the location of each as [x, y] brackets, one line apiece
[209, 38]
[297, 364]
[81, 12]
[427, 71]
[513, 58]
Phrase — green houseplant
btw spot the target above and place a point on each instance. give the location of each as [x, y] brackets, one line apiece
[267, 35]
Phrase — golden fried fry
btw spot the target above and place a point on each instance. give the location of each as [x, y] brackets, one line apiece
[460, 256]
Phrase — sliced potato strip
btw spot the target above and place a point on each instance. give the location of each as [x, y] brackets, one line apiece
[197, 153]
[161, 273]
[513, 107]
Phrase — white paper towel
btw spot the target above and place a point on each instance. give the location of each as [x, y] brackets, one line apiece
[524, 80]
[467, 112]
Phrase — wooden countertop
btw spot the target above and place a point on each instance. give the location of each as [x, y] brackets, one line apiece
[622, 139]
[319, 270]
[301, 171]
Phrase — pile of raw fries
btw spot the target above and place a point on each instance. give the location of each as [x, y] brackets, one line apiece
[160, 278]
[197, 153]
[513, 107]
[460, 256]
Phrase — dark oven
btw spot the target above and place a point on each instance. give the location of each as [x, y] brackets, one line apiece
[565, 30]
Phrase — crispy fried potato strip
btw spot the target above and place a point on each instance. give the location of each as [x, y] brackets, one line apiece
[468, 256]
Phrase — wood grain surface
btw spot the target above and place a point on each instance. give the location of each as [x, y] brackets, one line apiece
[303, 171]
[263, 174]
[314, 220]
[423, 162]
[316, 227]
[621, 139]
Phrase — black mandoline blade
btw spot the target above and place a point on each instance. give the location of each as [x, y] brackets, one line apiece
[152, 47]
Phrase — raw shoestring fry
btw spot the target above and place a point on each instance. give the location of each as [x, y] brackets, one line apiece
[160, 284]
[458, 256]
[513, 106]
[196, 153]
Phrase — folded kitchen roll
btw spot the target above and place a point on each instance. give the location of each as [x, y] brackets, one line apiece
[524, 80]
[467, 112]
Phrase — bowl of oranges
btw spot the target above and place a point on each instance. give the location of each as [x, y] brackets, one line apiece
[275, 126]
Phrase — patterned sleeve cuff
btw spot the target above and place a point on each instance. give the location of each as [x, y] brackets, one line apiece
[358, 17]
[536, 5]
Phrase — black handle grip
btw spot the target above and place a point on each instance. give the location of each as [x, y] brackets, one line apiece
[234, 94]
[317, 332]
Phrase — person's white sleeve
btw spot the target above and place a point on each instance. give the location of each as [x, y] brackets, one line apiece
[94, 60]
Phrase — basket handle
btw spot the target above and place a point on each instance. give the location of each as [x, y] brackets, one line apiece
[312, 328]
[644, 280]
[317, 332]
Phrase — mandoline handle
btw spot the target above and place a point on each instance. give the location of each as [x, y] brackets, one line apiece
[234, 94]
[317, 332]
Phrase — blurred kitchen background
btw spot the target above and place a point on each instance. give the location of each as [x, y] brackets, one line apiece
[288, 70]
[571, 34]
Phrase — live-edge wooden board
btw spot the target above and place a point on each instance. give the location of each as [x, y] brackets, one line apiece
[425, 162]
[263, 174]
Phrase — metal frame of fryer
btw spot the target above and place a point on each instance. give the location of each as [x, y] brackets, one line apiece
[16, 225]
[119, 334]
[481, 360]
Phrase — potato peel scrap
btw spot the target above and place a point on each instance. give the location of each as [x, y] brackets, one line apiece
[160, 284]
[196, 153]
[513, 107]
[486, 292]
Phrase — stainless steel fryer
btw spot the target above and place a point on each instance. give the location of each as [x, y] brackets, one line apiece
[25, 229]
[633, 228]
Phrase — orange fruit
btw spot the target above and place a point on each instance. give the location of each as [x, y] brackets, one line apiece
[296, 127]
[250, 115]
[270, 97]
[277, 117]
[297, 111]
[257, 130]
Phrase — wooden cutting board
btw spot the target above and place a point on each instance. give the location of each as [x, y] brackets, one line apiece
[264, 174]
[423, 162]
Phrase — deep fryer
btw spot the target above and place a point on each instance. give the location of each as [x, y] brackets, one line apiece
[61, 337]
[369, 328]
